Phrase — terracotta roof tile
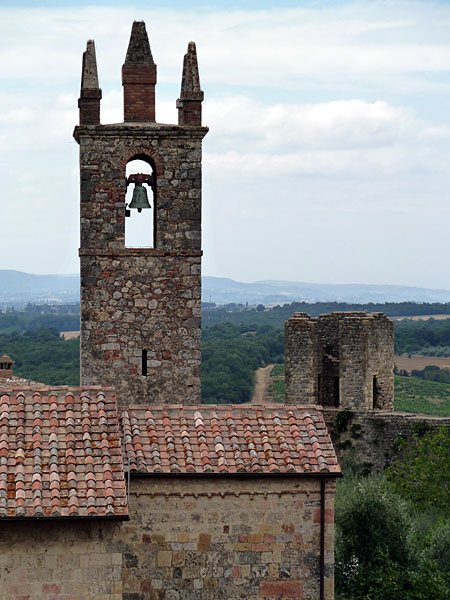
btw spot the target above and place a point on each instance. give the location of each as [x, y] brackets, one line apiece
[227, 439]
[60, 454]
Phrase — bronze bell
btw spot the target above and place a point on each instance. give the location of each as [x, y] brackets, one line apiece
[140, 198]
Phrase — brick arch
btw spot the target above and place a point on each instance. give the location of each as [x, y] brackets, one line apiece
[142, 153]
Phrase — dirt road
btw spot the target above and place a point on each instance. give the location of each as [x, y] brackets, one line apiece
[262, 382]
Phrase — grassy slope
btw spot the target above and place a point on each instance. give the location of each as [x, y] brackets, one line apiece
[418, 395]
[411, 394]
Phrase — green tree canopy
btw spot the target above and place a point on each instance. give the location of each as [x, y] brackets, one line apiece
[423, 473]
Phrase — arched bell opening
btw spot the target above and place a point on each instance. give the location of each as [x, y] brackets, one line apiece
[140, 201]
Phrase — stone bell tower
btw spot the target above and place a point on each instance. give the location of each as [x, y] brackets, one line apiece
[141, 307]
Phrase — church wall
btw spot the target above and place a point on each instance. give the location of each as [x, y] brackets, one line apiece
[187, 539]
[200, 538]
[65, 560]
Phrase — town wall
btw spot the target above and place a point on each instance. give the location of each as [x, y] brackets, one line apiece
[376, 438]
[188, 538]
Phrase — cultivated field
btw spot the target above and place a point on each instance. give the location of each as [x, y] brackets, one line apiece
[422, 318]
[404, 363]
[69, 335]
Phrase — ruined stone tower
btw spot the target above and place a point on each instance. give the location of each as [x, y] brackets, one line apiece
[141, 306]
[343, 359]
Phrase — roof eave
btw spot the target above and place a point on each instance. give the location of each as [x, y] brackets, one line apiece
[240, 475]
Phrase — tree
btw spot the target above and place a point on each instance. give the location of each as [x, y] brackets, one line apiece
[422, 474]
[372, 527]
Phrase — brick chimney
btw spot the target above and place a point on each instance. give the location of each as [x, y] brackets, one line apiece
[139, 77]
[191, 96]
[90, 94]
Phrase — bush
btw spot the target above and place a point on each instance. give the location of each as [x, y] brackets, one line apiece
[372, 527]
[423, 473]
[437, 549]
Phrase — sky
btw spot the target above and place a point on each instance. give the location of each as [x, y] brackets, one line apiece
[328, 155]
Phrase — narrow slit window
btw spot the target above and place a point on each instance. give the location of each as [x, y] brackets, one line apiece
[144, 362]
[336, 391]
[375, 393]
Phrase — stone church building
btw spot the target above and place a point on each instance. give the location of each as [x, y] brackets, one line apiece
[127, 488]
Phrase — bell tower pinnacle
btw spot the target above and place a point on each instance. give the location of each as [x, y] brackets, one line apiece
[141, 306]
[139, 77]
[90, 94]
[191, 96]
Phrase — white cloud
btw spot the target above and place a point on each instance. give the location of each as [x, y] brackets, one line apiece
[353, 139]
[287, 48]
[329, 137]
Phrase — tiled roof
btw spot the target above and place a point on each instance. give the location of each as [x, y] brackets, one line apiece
[227, 439]
[60, 454]
[10, 383]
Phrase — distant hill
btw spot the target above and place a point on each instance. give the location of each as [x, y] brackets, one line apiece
[268, 292]
[18, 288]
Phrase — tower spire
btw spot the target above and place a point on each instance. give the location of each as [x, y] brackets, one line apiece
[191, 96]
[90, 93]
[139, 77]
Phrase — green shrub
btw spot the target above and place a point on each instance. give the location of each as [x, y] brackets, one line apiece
[343, 419]
[422, 474]
[437, 549]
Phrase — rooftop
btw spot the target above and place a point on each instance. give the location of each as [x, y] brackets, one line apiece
[60, 454]
[61, 448]
[228, 439]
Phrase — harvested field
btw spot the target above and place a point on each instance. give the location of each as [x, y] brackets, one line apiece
[418, 362]
[422, 318]
[69, 335]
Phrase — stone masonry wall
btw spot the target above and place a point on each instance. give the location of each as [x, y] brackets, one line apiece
[300, 358]
[327, 348]
[354, 373]
[141, 299]
[74, 560]
[373, 436]
[343, 360]
[187, 539]
[144, 302]
[381, 361]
